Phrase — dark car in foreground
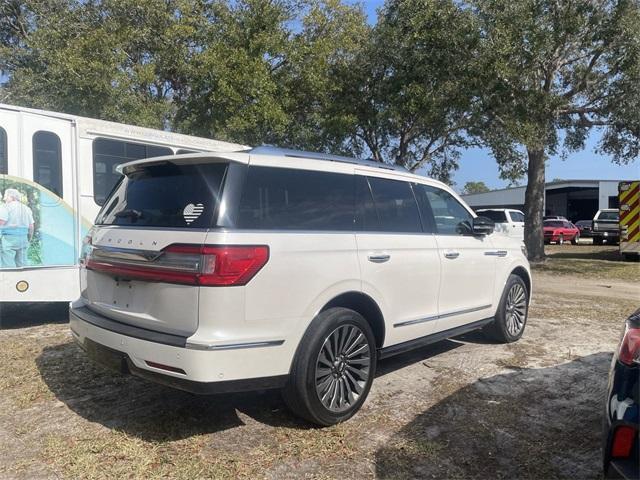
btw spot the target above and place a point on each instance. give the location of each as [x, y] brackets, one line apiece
[585, 227]
[621, 442]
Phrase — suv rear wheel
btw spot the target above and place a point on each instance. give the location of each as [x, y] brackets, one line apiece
[333, 368]
[511, 316]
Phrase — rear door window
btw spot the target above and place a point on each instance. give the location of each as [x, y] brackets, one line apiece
[366, 215]
[292, 199]
[166, 195]
[396, 206]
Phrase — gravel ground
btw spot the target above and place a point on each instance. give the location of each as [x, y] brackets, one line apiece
[462, 408]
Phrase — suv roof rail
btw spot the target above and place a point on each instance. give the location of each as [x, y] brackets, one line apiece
[286, 152]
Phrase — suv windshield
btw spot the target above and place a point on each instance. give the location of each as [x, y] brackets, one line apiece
[166, 195]
[608, 216]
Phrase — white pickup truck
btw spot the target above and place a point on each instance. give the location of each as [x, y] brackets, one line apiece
[507, 220]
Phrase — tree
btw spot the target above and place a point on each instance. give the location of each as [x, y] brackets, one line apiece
[474, 187]
[112, 59]
[552, 71]
[263, 72]
[407, 96]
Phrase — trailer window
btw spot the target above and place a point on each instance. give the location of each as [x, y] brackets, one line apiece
[3, 152]
[108, 154]
[47, 161]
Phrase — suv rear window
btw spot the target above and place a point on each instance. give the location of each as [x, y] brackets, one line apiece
[495, 215]
[166, 195]
[608, 216]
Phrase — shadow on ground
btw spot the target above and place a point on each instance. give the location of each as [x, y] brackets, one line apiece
[22, 315]
[528, 423]
[157, 413]
[146, 410]
[610, 254]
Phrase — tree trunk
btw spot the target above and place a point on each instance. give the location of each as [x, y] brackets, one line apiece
[534, 205]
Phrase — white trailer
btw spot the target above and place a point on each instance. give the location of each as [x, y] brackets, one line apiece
[63, 167]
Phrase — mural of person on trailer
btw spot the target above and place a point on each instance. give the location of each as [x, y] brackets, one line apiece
[37, 228]
[16, 229]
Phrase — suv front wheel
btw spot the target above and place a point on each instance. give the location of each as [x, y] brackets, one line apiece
[511, 316]
[333, 369]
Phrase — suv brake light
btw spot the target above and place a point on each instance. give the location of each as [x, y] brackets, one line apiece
[629, 353]
[219, 265]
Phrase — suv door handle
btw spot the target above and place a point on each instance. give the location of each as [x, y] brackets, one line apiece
[379, 258]
[451, 254]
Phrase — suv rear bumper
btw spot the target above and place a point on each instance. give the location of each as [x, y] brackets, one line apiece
[196, 371]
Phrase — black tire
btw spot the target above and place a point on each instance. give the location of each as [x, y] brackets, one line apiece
[597, 240]
[574, 240]
[501, 328]
[301, 394]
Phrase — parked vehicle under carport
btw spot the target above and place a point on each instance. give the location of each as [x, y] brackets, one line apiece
[585, 227]
[606, 226]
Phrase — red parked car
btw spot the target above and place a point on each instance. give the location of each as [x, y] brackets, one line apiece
[560, 231]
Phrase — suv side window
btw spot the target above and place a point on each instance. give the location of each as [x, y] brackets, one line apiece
[366, 215]
[448, 213]
[516, 216]
[495, 215]
[396, 206]
[292, 199]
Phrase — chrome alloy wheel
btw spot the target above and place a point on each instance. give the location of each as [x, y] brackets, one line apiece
[516, 309]
[342, 369]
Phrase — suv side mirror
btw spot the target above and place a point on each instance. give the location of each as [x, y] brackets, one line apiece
[482, 226]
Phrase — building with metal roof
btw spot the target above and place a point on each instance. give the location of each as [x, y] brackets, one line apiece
[574, 199]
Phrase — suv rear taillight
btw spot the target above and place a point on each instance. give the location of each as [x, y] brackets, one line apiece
[216, 265]
[629, 353]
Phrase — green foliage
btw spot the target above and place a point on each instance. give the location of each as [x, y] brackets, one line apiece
[474, 187]
[527, 78]
[553, 67]
[408, 95]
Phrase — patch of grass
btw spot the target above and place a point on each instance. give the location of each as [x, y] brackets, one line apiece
[116, 454]
[109, 454]
[588, 261]
[602, 269]
[21, 381]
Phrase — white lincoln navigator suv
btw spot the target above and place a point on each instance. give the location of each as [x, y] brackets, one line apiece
[281, 269]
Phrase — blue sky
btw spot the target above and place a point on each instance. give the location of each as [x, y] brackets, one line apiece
[478, 164]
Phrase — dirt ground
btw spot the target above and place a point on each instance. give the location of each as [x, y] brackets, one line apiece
[462, 408]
